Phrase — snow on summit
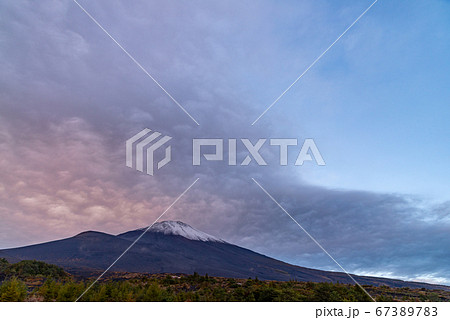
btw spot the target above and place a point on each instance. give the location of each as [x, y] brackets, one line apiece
[179, 228]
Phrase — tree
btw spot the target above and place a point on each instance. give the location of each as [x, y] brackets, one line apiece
[13, 290]
[3, 264]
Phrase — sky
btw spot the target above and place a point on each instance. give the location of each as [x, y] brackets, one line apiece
[376, 105]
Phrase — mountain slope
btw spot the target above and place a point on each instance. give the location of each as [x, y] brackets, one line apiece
[175, 247]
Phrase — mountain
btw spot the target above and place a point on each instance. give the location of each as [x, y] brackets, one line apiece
[175, 247]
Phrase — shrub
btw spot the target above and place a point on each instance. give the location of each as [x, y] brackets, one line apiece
[13, 290]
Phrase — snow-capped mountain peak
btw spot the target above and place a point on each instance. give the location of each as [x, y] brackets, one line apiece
[179, 228]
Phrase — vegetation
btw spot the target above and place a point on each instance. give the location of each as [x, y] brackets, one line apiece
[38, 281]
[13, 290]
[3, 264]
[31, 268]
